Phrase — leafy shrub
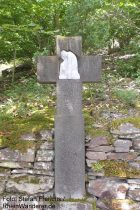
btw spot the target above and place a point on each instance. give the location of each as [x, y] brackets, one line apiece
[129, 97]
[129, 67]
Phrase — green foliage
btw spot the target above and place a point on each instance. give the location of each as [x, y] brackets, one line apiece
[129, 67]
[29, 27]
[129, 97]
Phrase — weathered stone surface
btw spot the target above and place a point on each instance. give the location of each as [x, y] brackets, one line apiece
[69, 98]
[134, 164]
[95, 173]
[70, 141]
[98, 141]
[47, 145]
[136, 144]
[90, 162]
[134, 183]
[28, 137]
[129, 136]
[29, 184]
[73, 44]
[122, 156]
[46, 135]
[122, 145]
[90, 68]
[134, 194]
[47, 69]
[44, 165]
[45, 155]
[4, 172]
[96, 155]
[33, 172]
[102, 149]
[2, 184]
[101, 205]
[117, 204]
[74, 206]
[15, 155]
[15, 164]
[126, 129]
[105, 187]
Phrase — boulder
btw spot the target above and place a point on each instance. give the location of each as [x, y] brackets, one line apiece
[29, 184]
[105, 187]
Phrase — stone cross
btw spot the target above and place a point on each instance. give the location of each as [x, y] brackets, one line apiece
[69, 123]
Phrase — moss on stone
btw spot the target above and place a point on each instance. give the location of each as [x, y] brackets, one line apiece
[12, 129]
[133, 120]
[3, 170]
[118, 169]
[27, 179]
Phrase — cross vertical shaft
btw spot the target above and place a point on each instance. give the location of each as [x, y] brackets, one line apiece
[69, 141]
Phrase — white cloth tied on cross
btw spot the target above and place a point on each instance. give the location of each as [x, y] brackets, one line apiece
[69, 66]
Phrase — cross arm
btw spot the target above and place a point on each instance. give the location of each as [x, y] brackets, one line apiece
[48, 68]
[90, 68]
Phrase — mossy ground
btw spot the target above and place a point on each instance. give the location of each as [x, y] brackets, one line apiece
[133, 120]
[29, 107]
[12, 129]
[117, 169]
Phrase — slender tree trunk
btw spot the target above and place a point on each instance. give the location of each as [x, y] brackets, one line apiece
[14, 66]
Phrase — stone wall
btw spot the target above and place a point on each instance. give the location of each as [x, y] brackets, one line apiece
[112, 171]
[113, 174]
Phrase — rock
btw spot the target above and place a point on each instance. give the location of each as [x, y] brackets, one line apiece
[122, 156]
[98, 141]
[88, 138]
[4, 172]
[48, 145]
[29, 184]
[16, 156]
[122, 145]
[95, 173]
[134, 183]
[28, 137]
[136, 144]
[44, 165]
[135, 165]
[90, 162]
[105, 114]
[134, 194]
[102, 149]
[15, 165]
[126, 129]
[33, 172]
[129, 136]
[73, 206]
[45, 155]
[46, 135]
[106, 187]
[101, 205]
[123, 204]
[2, 184]
[96, 155]
[116, 115]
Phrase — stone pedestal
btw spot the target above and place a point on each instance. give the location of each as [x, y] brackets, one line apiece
[69, 141]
